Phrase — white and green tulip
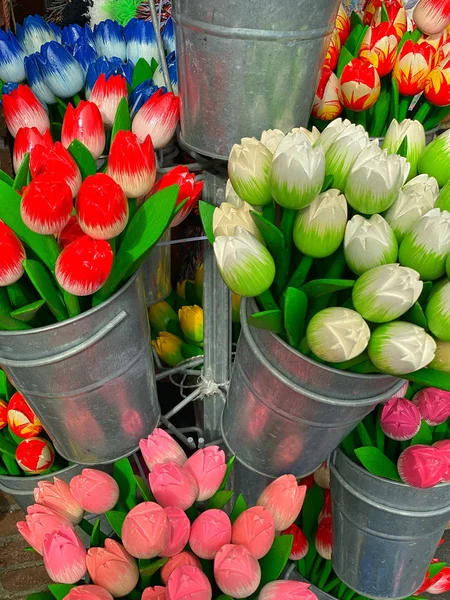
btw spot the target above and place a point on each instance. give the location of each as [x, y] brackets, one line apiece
[297, 174]
[331, 132]
[426, 246]
[441, 361]
[375, 180]
[296, 138]
[232, 198]
[386, 293]
[319, 228]
[248, 170]
[435, 161]
[438, 313]
[227, 217]
[414, 132]
[443, 201]
[312, 135]
[246, 266]
[369, 243]
[343, 152]
[271, 139]
[399, 348]
[337, 334]
[414, 200]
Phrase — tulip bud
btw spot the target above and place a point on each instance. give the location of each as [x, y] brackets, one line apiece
[414, 132]
[343, 24]
[438, 312]
[386, 293]
[112, 568]
[444, 447]
[226, 217]
[12, 255]
[21, 419]
[414, 200]
[175, 562]
[326, 508]
[168, 348]
[160, 448]
[179, 528]
[441, 361]
[286, 590]
[426, 246]
[191, 321]
[331, 132]
[84, 123]
[319, 228]
[208, 467]
[300, 544]
[46, 204]
[64, 556]
[311, 135]
[334, 48]
[271, 139]
[160, 314]
[379, 47]
[209, 532]
[337, 334]
[102, 207]
[154, 593]
[255, 529]
[12, 58]
[375, 180]
[244, 570]
[324, 538]
[396, 14]
[35, 455]
[437, 84]
[21, 108]
[322, 476]
[107, 94]
[146, 531]
[95, 491]
[3, 413]
[400, 419]
[422, 466]
[435, 161]
[296, 137]
[412, 67]
[188, 582]
[232, 198]
[248, 170]
[284, 499]
[246, 266]
[173, 485]
[400, 348]
[297, 175]
[26, 139]
[56, 161]
[90, 592]
[157, 118]
[343, 152]
[84, 266]
[57, 497]
[326, 105]
[433, 405]
[359, 85]
[40, 521]
[432, 16]
[132, 164]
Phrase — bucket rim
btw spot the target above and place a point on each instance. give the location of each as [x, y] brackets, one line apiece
[34, 478]
[84, 315]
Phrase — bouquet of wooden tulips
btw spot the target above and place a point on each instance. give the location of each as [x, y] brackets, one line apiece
[344, 246]
[24, 447]
[385, 66]
[172, 540]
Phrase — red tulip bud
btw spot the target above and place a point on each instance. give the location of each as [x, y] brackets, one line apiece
[83, 267]
[359, 85]
[189, 188]
[102, 207]
[412, 67]
[22, 109]
[26, 139]
[334, 48]
[12, 255]
[158, 117]
[300, 544]
[107, 94]
[84, 123]
[35, 455]
[71, 232]
[432, 16]
[131, 164]
[324, 538]
[46, 204]
[379, 47]
[21, 419]
[3, 413]
[437, 84]
[56, 160]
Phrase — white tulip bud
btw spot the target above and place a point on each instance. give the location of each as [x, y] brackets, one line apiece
[291, 140]
[337, 334]
[426, 246]
[312, 135]
[343, 152]
[386, 293]
[438, 313]
[415, 134]
[271, 138]
[319, 228]
[369, 243]
[441, 361]
[414, 200]
[232, 198]
[246, 266]
[227, 217]
[400, 348]
[248, 169]
[331, 132]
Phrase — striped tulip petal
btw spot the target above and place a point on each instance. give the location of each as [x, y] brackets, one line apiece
[107, 94]
[56, 160]
[132, 164]
[359, 85]
[84, 265]
[12, 255]
[11, 58]
[189, 188]
[110, 39]
[21, 419]
[22, 109]
[34, 33]
[158, 118]
[35, 455]
[84, 123]
[412, 66]
[141, 40]
[432, 16]
[26, 139]
[46, 204]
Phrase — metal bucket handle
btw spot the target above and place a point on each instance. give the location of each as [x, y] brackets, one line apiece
[40, 362]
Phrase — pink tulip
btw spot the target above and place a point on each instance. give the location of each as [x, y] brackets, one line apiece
[400, 419]
[175, 562]
[188, 583]
[160, 448]
[88, 592]
[22, 109]
[64, 556]
[96, 491]
[286, 590]
[57, 161]
[113, 568]
[322, 476]
[158, 118]
[57, 497]
[422, 466]
[173, 485]
[300, 544]
[284, 498]
[39, 522]
[180, 529]
[255, 529]
[444, 447]
[208, 467]
[324, 538]
[154, 593]
[26, 139]
[433, 404]
[146, 530]
[84, 123]
[132, 164]
[432, 16]
[236, 572]
[107, 94]
[12, 255]
[209, 532]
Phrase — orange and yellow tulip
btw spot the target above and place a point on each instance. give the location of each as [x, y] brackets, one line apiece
[343, 24]
[327, 105]
[412, 67]
[437, 84]
[379, 47]
[332, 57]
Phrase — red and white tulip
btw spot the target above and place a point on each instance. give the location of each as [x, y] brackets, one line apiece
[132, 164]
[56, 160]
[3, 414]
[324, 538]
[343, 24]
[84, 123]
[379, 47]
[437, 84]
[107, 94]
[26, 139]
[158, 118]
[71, 232]
[21, 419]
[300, 544]
[46, 204]
[22, 109]
[35, 455]
[189, 188]
[12, 255]
[326, 105]
[360, 85]
[432, 16]
[334, 48]
[413, 64]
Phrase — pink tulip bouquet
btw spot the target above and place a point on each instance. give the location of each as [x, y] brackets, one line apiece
[172, 540]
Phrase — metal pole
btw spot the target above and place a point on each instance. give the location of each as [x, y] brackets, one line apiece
[159, 43]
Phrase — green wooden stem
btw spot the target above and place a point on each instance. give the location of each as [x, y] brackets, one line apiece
[403, 108]
[314, 577]
[86, 526]
[301, 272]
[325, 574]
[332, 584]
[364, 436]
[423, 112]
[286, 227]
[267, 301]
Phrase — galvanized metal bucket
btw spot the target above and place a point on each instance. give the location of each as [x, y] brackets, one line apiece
[90, 379]
[247, 66]
[385, 533]
[285, 413]
[157, 271]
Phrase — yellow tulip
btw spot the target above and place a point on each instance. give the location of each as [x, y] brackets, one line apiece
[191, 321]
[159, 316]
[198, 280]
[168, 348]
[181, 289]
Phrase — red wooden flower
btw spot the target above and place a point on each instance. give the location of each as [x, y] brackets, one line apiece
[432, 16]
[379, 47]
[71, 232]
[324, 538]
[300, 544]
[437, 84]
[22, 109]
[132, 164]
[56, 160]
[35, 455]
[26, 139]
[84, 123]
[158, 118]
[12, 255]
[46, 204]
[21, 419]
[359, 85]
[3, 413]
[327, 105]
[107, 94]
[189, 188]
[412, 67]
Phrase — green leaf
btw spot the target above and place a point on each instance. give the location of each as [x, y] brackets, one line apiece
[28, 312]
[45, 246]
[116, 518]
[144, 489]
[366, 440]
[206, 215]
[40, 596]
[125, 478]
[220, 498]
[355, 20]
[190, 351]
[22, 175]
[295, 309]
[416, 315]
[6, 178]
[435, 568]
[190, 293]
[46, 288]
[72, 303]
[142, 72]
[270, 320]
[377, 463]
[430, 378]
[147, 568]
[7, 322]
[13, 468]
[423, 436]
[269, 212]
[276, 245]
[122, 121]
[239, 506]
[384, 13]
[19, 294]
[226, 477]
[322, 287]
[273, 563]
[60, 590]
[154, 65]
[83, 158]
[345, 57]
[97, 537]
[403, 149]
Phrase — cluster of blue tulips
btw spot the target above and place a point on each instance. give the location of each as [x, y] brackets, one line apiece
[61, 63]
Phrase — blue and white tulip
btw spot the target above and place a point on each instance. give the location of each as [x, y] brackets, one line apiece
[141, 41]
[34, 33]
[11, 58]
[172, 67]
[61, 71]
[36, 80]
[168, 36]
[85, 53]
[110, 40]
